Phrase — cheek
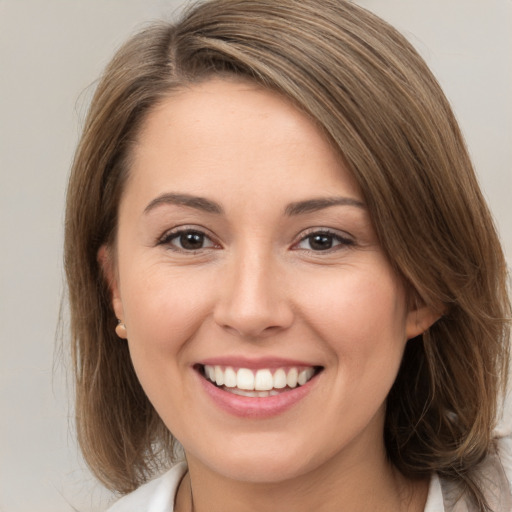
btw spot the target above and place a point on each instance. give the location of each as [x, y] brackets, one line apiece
[361, 320]
[374, 295]
[360, 315]
[164, 310]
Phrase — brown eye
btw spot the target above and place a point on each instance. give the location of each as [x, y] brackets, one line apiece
[187, 240]
[323, 241]
[191, 241]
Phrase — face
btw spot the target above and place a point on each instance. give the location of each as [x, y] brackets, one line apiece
[246, 256]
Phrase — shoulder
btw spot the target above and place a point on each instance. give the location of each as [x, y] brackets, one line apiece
[504, 454]
[155, 496]
[494, 476]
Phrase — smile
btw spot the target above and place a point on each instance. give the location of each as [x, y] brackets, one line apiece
[257, 383]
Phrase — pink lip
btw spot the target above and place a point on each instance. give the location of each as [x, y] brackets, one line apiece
[255, 363]
[255, 407]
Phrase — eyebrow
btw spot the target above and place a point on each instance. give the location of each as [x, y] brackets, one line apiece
[209, 206]
[320, 203]
[199, 203]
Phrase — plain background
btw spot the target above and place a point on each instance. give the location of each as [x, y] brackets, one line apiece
[51, 52]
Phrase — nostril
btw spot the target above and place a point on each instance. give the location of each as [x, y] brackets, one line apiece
[252, 331]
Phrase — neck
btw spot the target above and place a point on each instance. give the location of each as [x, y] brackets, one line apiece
[356, 485]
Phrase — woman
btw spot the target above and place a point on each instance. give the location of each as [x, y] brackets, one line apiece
[278, 255]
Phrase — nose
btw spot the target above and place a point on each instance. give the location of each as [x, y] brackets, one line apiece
[253, 300]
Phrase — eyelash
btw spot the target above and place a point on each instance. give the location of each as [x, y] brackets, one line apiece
[177, 233]
[344, 241]
[332, 236]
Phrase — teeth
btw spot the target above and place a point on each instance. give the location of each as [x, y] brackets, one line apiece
[260, 394]
[230, 378]
[304, 376]
[291, 378]
[219, 376]
[263, 380]
[261, 383]
[244, 378]
[280, 379]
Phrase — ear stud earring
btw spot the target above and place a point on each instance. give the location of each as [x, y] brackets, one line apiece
[121, 330]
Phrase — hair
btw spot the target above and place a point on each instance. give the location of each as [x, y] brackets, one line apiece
[374, 97]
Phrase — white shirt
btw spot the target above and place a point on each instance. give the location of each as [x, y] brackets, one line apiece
[495, 475]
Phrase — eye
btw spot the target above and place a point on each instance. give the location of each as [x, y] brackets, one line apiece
[323, 240]
[187, 240]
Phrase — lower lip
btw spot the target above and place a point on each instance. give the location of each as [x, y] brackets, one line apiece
[256, 407]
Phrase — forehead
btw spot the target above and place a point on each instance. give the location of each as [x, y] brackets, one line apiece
[222, 132]
[231, 111]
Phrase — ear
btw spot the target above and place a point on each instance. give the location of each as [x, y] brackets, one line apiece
[107, 266]
[420, 318]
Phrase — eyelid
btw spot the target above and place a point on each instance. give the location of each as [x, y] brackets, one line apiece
[343, 237]
[168, 235]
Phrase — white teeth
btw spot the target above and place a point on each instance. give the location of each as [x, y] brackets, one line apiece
[261, 382]
[242, 392]
[304, 376]
[280, 379]
[253, 394]
[245, 379]
[219, 376]
[230, 378]
[291, 378]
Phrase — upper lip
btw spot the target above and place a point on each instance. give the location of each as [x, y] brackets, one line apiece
[255, 363]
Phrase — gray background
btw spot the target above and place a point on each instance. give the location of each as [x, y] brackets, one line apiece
[51, 51]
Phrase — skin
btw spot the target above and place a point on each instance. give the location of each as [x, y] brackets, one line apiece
[259, 287]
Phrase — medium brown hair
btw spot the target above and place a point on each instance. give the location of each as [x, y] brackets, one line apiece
[374, 97]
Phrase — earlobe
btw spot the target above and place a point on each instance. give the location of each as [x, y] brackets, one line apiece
[419, 319]
[106, 264]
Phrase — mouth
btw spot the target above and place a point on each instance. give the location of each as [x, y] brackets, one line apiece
[257, 383]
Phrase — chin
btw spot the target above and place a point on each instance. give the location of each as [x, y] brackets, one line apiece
[262, 470]
[254, 463]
